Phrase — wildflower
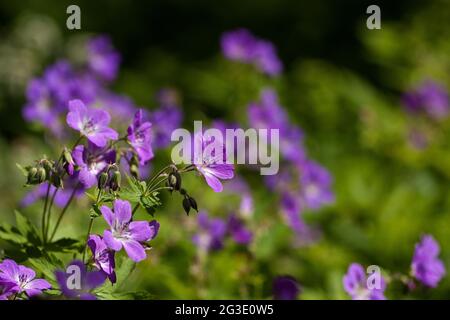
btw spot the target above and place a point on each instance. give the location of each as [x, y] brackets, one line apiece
[211, 233]
[315, 183]
[430, 97]
[355, 284]
[285, 288]
[103, 59]
[426, 266]
[103, 257]
[92, 123]
[124, 233]
[17, 279]
[91, 161]
[212, 166]
[238, 231]
[241, 45]
[77, 283]
[139, 136]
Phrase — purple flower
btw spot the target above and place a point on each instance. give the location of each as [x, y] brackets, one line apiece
[16, 279]
[91, 161]
[355, 284]
[426, 266]
[61, 197]
[269, 114]
[211, 233]
[315, 182]
[241, 45]
[238, 230]
[127, 234]
[139, 136]
[77, 283]
[103, 59]
[430, 97]
[103, 257]
[285, 288]
[211, 165]
[166, 118]
[92, 123]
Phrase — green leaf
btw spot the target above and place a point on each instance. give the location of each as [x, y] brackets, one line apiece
[47, 266]
[95, 212]
[27, 229]
[11, 234]
[65, 245]
[22, 169]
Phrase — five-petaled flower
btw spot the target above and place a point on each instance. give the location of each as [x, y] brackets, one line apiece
[426, 266]
[91, 123]
[16, 279]
[126, 233]
[355, 284]
[102, 256]
[139, 136]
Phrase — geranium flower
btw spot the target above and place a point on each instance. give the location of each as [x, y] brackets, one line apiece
[92, 123]
[126, 233]
[355, 284]
[77, 283]
[91, 161]
[102, 58]
[238, 230]
[103, 256]
[285, 288]
[139, 136]
[211, 233]
[212, 166]
[426, 266]
[315, 184]
[16, 279]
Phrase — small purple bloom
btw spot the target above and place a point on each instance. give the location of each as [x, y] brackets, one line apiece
[241, 45]
[91, 161]
[139, 136]
[103, 59]
[92, 123]
[103, 257]
[77, 283]
[211, 165]
[17, 279]
[430, 97]
[285, 288]
[426, 266]
[126, 233]
[238, 230]
[211, 233]
[315, 183]
[355, 284]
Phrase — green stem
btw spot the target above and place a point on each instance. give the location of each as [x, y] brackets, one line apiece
[135, 209]
[63, 211]
[149, 183]
[91, 222]
[49, 212]
[44, 212]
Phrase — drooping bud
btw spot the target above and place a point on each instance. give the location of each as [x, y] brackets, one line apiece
[41, 175]
[56, 180]
[32, 173]
[116, 178]
[193, 203]
[68, 162]
[47, 165]
[186, 205]
[102, 180]
[174, 180]
[134, 170]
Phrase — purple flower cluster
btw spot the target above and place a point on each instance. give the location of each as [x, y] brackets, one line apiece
[356, 284]
[241, 45]
[213, 232]
[16, 279]
[302, 183]
[426, 266]
[429, 98]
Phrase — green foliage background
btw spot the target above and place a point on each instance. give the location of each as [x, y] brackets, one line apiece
[342, 85]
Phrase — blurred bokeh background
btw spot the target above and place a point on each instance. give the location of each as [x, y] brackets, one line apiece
[343, 84]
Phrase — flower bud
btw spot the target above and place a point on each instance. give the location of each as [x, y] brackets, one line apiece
[102, 180]
[134, 170]
[174, 180]
[193, 203]
[186, 205]
[48, 166]
[115, 181]
[56, 180]
[41, 175]
[32, 173]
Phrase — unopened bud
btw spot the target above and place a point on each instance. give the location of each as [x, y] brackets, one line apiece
[115, 181]
[41, 175]
[102, 180]
[56, 180]
[68, 156]
[186, 205]
[32, 173]
[193, 203]
[174, 180]
[134, 170]
[48, 166]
